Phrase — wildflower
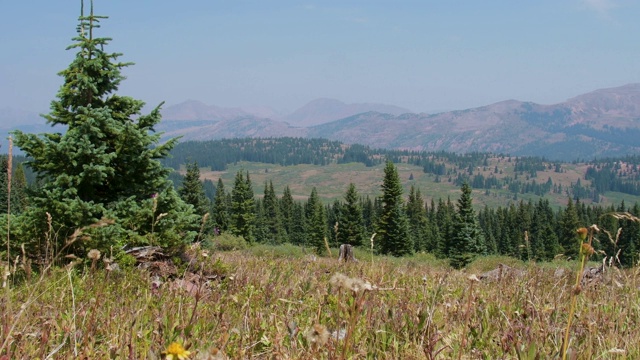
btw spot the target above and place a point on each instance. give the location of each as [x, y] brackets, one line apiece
[175, 351]
[318, 335]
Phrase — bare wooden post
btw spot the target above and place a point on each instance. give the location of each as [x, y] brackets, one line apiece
[346, 253]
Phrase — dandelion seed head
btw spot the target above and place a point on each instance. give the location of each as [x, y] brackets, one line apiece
[94, 254]
[339, 280]
[318, 335]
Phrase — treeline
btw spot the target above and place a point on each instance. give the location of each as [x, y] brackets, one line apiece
[217, 154]
[534, 231]
[620, 175]
[524, 230]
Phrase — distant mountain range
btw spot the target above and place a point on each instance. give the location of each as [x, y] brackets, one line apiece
[601, 123]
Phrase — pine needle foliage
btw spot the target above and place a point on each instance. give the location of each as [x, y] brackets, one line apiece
[467, 238]
[106, 164]
[393, 228]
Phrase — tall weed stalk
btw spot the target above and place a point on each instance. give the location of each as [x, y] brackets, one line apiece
[586, 249]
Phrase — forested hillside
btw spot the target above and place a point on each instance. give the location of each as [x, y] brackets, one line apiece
[503, 177]
[525, 207]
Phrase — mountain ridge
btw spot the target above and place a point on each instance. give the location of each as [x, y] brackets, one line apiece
[603, 122]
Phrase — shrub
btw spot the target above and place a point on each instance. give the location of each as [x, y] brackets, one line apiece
[228, 242]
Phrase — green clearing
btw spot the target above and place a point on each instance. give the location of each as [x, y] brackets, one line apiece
[331, 181]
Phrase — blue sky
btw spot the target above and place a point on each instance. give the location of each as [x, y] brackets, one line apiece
[423, 55]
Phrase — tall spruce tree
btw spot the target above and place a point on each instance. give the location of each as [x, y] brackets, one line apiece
[220, 209]
[286, 212]
[393, 230]
[444, 216]
[468, 239]
[417, 216]
[351, 223]
[316, 222]
[298, 234]
[567, 227]
[243, 211]
[192, 190]
[106, 163]
[272, 222]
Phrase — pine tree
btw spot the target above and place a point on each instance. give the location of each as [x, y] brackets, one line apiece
[445, 215]
[393, 230]
[468, 240]
[568, 225]
[417, 216]
[316, 222]
[220, 209]
[351, 223]
[192, 190]
[333, 213]
[106, 163]
[286, 212]
[243, 212]
[274, 232]
[368, 215]
[298, 234]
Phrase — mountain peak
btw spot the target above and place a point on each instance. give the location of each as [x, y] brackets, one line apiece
[324, 110]
[197, 110]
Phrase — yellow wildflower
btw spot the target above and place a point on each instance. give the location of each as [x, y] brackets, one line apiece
[175, 351]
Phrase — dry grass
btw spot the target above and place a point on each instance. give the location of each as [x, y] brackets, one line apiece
[272, 306]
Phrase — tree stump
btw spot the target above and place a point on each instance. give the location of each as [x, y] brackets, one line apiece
[346, 253]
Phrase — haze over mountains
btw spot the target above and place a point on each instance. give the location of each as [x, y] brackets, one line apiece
[604, 122]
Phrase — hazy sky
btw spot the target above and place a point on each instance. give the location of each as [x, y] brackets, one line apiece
[423, 55]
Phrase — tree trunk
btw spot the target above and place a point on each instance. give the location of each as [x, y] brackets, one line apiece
[346, 253]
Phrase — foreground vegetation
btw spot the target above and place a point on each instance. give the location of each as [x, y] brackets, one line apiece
[276, 302]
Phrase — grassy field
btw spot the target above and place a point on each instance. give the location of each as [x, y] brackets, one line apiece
[280, 303]
[331, 182]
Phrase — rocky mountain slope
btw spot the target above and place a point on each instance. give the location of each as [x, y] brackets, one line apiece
[604, 122]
